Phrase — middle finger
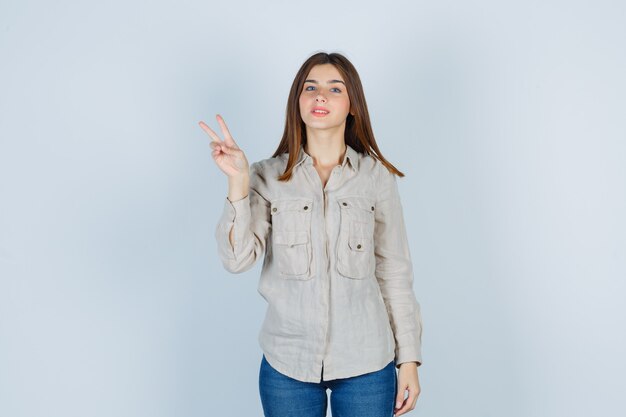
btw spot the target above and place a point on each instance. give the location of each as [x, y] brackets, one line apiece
[225, 130]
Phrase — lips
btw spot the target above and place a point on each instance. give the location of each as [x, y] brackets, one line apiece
[321, 110]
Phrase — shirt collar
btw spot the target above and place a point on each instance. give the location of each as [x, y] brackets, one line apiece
[351, 157]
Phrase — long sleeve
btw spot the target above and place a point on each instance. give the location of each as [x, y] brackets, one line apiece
[394, 270]
[250, 218]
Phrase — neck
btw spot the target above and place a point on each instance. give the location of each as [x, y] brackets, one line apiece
[327, 154]
[326, 146]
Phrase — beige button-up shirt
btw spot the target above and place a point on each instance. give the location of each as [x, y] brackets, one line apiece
[337, 273]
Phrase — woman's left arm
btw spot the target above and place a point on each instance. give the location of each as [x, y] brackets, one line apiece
[394, 273]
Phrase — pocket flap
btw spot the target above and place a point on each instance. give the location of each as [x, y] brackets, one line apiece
[359, 243]
[360, 202]
[290, 238]
[291, 204]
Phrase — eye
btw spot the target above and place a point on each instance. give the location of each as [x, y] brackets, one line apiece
[310, 86]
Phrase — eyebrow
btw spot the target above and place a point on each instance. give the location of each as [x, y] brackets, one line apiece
[329, 81]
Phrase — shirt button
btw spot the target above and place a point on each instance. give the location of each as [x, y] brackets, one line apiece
[274, 209]
[372, 208]
[358, 246]
[306, 207]
[344, 203]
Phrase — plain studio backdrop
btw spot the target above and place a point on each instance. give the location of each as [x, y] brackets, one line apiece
[507, 117]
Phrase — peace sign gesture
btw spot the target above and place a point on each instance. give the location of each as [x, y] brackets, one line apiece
[227, 155]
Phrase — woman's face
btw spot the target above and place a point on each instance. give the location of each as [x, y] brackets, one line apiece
[324, 88]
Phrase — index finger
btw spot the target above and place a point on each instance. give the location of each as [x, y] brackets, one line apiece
[210, 131]
[408, 404]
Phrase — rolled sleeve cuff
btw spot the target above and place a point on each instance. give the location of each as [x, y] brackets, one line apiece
[235, 214]
[238, 208]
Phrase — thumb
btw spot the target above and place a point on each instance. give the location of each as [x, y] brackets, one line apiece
[239, 159]
[228, 149]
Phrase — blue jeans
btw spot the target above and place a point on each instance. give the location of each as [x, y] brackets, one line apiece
[368, 395]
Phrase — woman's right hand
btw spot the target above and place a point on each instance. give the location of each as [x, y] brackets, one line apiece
[227, 155]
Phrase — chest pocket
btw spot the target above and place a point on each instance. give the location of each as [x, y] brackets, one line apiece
[291, 237]
[355, 247]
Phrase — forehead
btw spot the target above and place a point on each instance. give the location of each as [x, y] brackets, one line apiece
[324, 72]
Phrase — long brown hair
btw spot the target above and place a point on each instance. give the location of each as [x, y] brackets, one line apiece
[358, 133]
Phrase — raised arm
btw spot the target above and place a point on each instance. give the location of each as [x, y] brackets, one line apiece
[241, 232]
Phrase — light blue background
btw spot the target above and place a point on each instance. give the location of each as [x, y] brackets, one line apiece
[508, 119]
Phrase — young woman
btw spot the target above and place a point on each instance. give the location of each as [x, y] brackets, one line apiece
[325, 214]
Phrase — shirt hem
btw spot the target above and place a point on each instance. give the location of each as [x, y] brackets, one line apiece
[361, 370]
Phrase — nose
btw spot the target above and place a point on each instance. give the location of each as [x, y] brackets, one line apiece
[320, 98]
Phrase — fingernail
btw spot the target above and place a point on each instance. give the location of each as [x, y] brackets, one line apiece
[398, 404]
